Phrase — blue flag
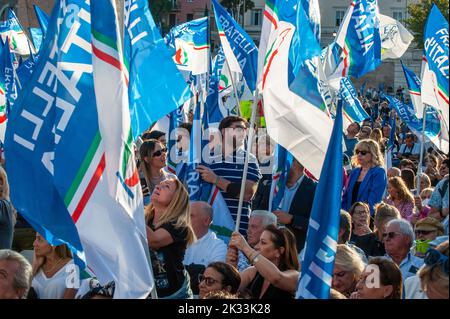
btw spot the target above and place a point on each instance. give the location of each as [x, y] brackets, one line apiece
[156, 87]
[407, 115]
[353, 110]
[238, 47]
[213, 108]
[283, 161]
[42, 118]
[436, 55]
[323, 229]
[42, 19]
[36, 37]
[363, 40]
[7, 74]
[391, 142]
[193, 180]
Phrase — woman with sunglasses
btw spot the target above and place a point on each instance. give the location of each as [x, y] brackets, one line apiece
[218, 276]
[389, 280]
[362, 234]
[169, 232]
[400, 197]
[434, 274]
[275, 270]
[367, 181]
[153, 162]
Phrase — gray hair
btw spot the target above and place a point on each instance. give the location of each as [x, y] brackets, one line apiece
[268, 218]
[405, 228]
[23, 277]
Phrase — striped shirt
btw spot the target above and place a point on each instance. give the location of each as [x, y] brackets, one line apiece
[231, 168]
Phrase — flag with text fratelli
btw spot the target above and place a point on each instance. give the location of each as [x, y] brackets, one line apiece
[434, 129]
[322, 235]
[239, 49]
[189, 46]
[78, 189]
[436, 55]
[11, 28]
[352, 111]
[156, 87]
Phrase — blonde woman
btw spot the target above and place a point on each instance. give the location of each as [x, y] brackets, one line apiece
[49, 270]
[169, 232]
[7, 213]
[400, 197]
[434, 273]
[367, 181]
[348, 267]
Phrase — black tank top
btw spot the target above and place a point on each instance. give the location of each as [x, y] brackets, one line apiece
[272, 292]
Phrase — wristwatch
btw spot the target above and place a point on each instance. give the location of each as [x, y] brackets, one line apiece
[256, 259]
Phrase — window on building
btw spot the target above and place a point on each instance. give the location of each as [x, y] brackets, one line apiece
[398, 15]
[189, 17]
[189, 0]
[172, 20]
[339, 17]
[256, 17]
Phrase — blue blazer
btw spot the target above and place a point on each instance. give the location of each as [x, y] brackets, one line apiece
[370, 191]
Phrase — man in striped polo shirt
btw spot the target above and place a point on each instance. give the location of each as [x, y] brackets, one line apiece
[226, 169]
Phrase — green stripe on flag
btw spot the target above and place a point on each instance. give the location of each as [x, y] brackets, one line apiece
[127, 153]
[83, 169]
[104, 39]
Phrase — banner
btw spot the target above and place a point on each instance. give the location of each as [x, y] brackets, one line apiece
[395, 38]
[353, 111]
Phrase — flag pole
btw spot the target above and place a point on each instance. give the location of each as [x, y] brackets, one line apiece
[247, 156]
[422, 145]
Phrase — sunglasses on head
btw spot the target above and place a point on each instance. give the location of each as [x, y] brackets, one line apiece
[434, 257]
[208, 280]
[391, 235]
[159, 152]
[363, 153]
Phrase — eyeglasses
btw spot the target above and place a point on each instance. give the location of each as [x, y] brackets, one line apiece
[424, 232]
[363, 153]
[359, 212]
[209, 281]
[391, 235]
[159, 153]
[434, 257]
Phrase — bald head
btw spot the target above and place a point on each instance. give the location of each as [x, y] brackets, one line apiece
[393, 172]
[201, 217]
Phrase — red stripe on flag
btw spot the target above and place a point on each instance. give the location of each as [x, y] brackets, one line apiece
[414, 93]
[213, 198]
[201, 48]
[89, 190]
[271, 19]
[107, 58]
[345, 61]
[268, 67]
[443, 96]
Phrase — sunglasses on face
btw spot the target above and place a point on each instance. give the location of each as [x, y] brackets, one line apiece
[391, 235]
[209, 281]
[363, 153]
[424, 232]
[434, 257]
[159, 153]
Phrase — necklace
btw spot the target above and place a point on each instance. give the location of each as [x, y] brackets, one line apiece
[49, 271]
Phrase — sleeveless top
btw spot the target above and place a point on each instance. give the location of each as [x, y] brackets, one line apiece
[272, 292]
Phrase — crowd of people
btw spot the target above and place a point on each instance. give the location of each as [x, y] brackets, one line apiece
[393, 236]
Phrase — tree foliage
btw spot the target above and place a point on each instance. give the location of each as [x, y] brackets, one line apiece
[159, 9]
[418, 13]
[237, 5]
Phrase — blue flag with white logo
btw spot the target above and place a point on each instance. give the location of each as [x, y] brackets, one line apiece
[7, 74]
[238, 47]
[156, 87]
[321, 239]
[193, 180]
[414, 84]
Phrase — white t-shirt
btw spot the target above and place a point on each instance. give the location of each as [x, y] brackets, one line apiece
[51, 288]
[413, 289]
[206, 250]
